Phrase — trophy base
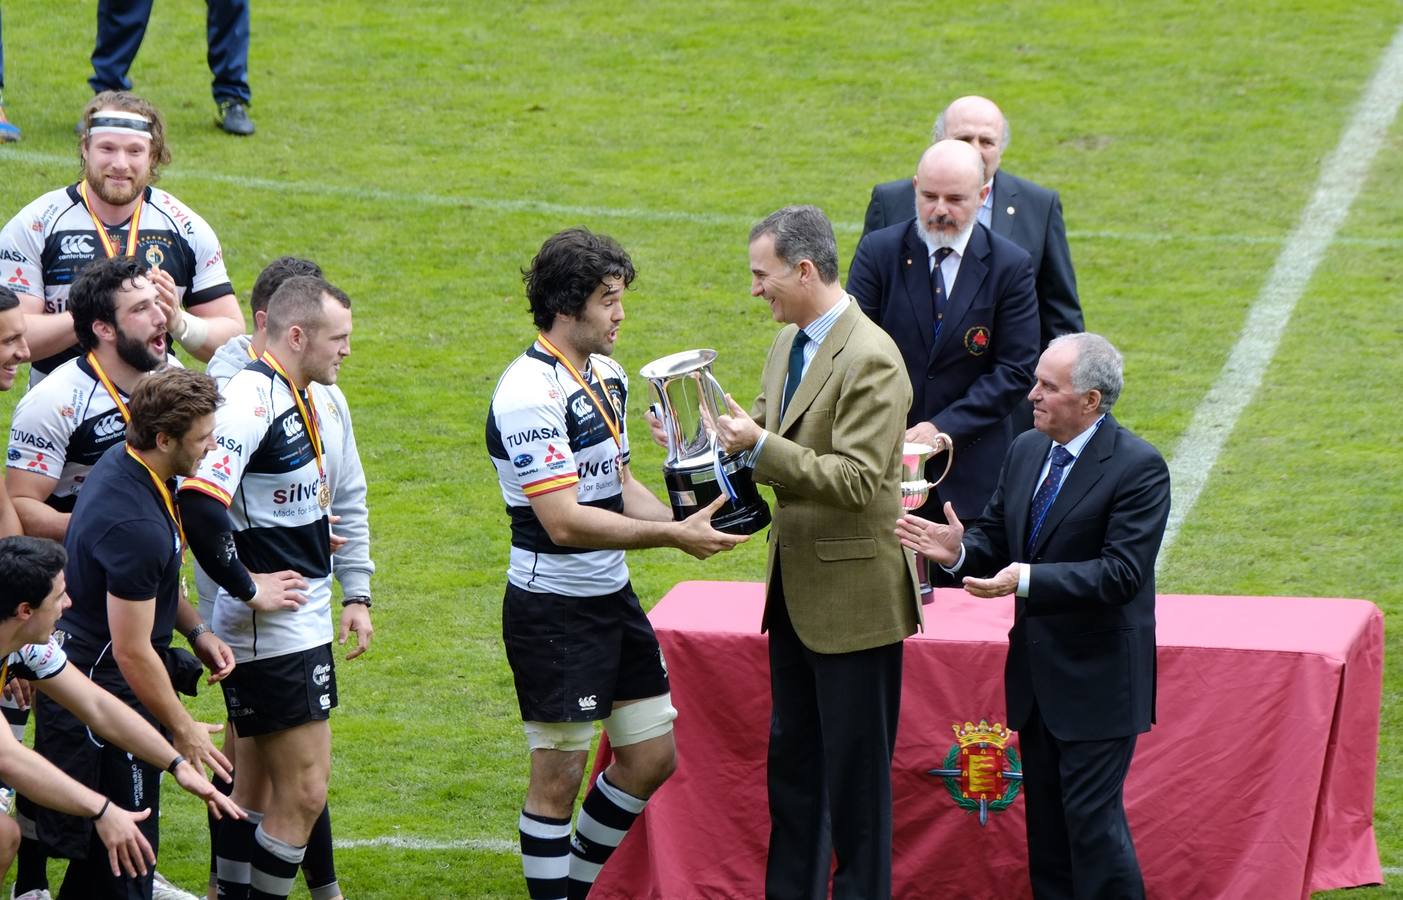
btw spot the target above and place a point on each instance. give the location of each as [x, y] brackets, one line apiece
[694, 488]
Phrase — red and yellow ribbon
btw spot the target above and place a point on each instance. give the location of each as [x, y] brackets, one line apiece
[163, 491]
[111, 388]
[133, 236]
[609, 420]
[308, 412]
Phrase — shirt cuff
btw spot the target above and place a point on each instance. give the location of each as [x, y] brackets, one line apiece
[958, 562]
[1025, 574]
[753, 453]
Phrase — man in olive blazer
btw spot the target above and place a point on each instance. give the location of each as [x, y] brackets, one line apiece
[826, 433]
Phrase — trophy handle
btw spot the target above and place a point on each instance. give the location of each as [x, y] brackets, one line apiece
[942, 442]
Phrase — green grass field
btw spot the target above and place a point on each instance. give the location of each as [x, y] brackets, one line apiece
[422, 154]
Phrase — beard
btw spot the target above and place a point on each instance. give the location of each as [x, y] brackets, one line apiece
[136, 353]
[110, 194]
[936, 240]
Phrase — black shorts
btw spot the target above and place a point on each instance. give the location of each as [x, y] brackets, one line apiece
[264, 696]
[572, 657]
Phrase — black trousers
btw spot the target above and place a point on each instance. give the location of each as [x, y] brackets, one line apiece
[832, 733]
[1079, 842]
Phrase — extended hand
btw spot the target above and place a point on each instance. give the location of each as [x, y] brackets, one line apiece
[193, 780]
[193, 743]
[931, 539]
[923, 433]
[356, 617]
[1001, 585]
[127, 848]
[700, 539]
[277, 590]
[737, 432]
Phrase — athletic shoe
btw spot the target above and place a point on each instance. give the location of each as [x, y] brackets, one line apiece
[9, 131]
[164, 890]
[36, 894]
[233, 117]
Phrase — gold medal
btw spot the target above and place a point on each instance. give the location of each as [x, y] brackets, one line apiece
[324, 496]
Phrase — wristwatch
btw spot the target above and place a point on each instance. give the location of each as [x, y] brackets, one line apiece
[195, 632]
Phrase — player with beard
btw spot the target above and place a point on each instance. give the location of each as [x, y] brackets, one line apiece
[959, 302]
[125, 545]
[64, 424]
[115, 211]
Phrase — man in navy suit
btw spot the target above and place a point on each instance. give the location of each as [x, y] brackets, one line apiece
[1026, 213]
[959, 302]
[1072, 532]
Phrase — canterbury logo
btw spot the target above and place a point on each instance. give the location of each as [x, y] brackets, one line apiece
[292, 427]
[589, 702]
[75, 245]
[110, 425]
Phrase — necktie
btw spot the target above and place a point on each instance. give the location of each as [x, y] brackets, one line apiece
[796, 368]
[937, 288]
[1046, 493]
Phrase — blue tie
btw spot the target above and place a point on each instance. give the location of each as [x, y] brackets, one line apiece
[796, 368]
[939, 300]
[1047, 492]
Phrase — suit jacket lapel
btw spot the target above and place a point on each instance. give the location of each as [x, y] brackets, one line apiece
[973, 271]
[915, 259]
[820, 367]
[1005, 196]
[1089, 468]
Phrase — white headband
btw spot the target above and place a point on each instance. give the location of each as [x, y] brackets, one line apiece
[117, 121]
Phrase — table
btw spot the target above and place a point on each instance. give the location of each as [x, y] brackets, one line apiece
[1257, 781]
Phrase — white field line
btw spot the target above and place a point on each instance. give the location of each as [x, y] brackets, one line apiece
[485, 845]
[1342, 174]
[499, 204]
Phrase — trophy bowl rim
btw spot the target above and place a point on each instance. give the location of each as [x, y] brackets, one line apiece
[679, 363]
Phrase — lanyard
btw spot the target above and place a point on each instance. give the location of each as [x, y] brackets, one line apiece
[308, 413]
[132, 230]
[609, 420]
[164, 492]
[111, 388]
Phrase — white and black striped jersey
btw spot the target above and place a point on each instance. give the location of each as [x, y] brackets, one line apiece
[544, 434]
[265, 471]
[36, 662]
[62, 426]
[45, 246]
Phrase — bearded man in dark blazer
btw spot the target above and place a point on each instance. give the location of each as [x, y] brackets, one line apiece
[1072, 531]
[1024, 212]
[958, 300]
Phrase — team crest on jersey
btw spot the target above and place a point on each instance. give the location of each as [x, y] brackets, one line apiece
[977, 340]
[67, 412]
[981, 772]
[154, 256]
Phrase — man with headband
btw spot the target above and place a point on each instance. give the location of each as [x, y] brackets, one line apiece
[114, 211]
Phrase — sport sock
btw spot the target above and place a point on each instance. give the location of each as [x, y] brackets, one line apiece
[234, 852]
[545, 855]
[319, 865]
[275, 864]
[604, 819]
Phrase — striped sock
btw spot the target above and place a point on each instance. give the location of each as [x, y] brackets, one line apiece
[319, 866]
[545, 855]
[604, 819]
[274, 866]
[233, 854]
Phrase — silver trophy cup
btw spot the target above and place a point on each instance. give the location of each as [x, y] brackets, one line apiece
[915, 489]
[697, 469]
